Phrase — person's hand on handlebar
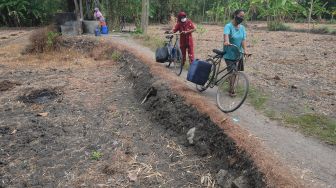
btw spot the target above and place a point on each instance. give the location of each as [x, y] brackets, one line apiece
[227, 43]
[247, 54]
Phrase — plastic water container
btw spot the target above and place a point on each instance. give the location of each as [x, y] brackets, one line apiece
[199, 72]
[104, 29]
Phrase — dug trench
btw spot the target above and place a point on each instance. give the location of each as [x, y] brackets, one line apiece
[192, 128]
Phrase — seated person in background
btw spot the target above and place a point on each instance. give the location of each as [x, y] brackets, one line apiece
[99, 16]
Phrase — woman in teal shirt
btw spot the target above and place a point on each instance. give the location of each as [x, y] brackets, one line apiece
[235, 33]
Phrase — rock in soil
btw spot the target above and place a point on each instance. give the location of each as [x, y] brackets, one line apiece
[191, 135]
[224, 179]
[240, 182]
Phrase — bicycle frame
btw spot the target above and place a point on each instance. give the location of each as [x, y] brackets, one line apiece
[217, 61]
[172, 47]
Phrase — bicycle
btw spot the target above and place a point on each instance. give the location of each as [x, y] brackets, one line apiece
[232, 87]
[174, 53]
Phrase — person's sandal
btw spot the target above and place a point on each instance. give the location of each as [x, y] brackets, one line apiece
[232, 93]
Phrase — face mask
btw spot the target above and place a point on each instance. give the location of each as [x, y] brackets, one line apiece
[183, 19]
[239, 19]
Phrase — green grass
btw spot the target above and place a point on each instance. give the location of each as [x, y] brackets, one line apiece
[257, 98]
[96, 155]
[186, 65]
[254, 41]
[151, 42]
[201, 30]
[116, 56]
[270, 114]
[311, 124]
[324, 30]
[277, 26]
[316, 125]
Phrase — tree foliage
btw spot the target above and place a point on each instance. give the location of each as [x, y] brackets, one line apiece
[27, 12]
[35, 12]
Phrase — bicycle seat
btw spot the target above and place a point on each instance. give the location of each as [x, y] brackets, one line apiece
[218, 52]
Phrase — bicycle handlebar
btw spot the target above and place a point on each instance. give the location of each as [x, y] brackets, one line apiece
[248, 55]
[168, 34]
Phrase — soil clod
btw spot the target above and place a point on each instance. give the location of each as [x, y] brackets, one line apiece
[40, 96]
[8, 85]
[276, 77]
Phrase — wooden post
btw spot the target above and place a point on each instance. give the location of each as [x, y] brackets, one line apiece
[144, 16]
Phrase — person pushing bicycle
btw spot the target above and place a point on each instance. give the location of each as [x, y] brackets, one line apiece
[186, 27]
[235, 33]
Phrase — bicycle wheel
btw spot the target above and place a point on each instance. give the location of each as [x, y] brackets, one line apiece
[177, 63]
[232, 92]
[212, 74]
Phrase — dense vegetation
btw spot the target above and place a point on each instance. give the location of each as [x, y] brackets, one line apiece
[37, 12]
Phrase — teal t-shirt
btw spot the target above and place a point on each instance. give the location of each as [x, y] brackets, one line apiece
[236, 37]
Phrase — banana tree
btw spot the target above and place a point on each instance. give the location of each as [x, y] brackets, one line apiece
[14, 11]
[319, 8]
[276, 10]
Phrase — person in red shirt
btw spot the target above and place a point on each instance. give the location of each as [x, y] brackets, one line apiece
[186, 27]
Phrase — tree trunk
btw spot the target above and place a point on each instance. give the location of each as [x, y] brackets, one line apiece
[310, 14]
[203, 11]
[78, 19]
[81, 10]
[96, 3]
[87, 9]
[144, 16]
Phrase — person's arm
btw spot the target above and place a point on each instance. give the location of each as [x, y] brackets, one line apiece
[244, 47]
[193, 29]
[226, 40]
[176, 28]
[226, 35]
[190, 31]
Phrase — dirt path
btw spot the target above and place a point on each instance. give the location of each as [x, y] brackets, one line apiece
[307, 156]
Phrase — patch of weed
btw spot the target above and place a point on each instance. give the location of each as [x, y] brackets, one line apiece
[115, 56]
[257, 98]
[277, 26]
[51, 38]
[201, 29]
[254, 41]
[42, 40]
[96, 155]
[151, 42]
[186, 65]
[323, 30]
[271, 114]
[314, 124]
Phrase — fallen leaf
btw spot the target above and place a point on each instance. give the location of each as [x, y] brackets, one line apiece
[44, 114]
[132, 176]
[14, 131]
[223, 120]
